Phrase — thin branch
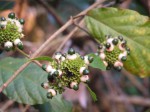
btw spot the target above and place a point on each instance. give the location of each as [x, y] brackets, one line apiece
[6, 105]
[137, 100]
[52, 12]
[45, 45]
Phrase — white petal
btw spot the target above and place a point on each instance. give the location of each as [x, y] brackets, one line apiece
[52, 91]
[102, 56]
[49, 68]
[86, 60]
[118, 63]
[73, 84]
[105, 63]
[82, 69]
[84, 78]
[57, 56]
[17, 41]
[71, 57]
[8, 44]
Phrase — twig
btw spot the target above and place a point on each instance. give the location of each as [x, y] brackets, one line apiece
[6, 105]
[52, 12]
[44, 45]
[68, 37]
[137, 100]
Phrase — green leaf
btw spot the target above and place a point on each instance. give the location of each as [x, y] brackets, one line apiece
[26, 88]
[134, 27]
[97, 62]
[55, 105]
[93, 95]
[43, 58]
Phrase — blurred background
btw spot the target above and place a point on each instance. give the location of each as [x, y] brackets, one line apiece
[116, 91]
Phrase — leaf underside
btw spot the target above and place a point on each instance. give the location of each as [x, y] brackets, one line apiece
[134, 27]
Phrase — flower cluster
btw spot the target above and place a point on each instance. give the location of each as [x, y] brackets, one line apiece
[68, 70]
[11, 31]
[114, 52]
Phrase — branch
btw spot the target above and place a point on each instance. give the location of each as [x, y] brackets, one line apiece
[45, 45]
[136, 100]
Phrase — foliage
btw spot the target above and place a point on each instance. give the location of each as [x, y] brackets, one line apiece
[134, 27]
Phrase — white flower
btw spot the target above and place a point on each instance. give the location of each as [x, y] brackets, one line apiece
[102, 56]
[118, 63]
[82, 69]
[73, 84]
[71, 57]
[49, 68]
[105, 63]
[17, 41]
[8, 44]
[84, 78]
[52, 91]
[86, 60]
[57, 56]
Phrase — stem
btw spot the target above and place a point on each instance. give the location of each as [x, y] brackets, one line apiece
[23, 53]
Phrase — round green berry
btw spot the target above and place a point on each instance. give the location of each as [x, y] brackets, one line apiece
[115, 41]
[50, 77]
[86, 72]
[75, 87]
[100, 46]
[56, 73]
[90, 58]
[44, 67]
[11, 15]
[3, 19]
[20, 46]
[107, 45]
[124, 58]
[120, 38]
[119, 68]
[22, 21]
[71, 51]
[42, 84]
[49, 95]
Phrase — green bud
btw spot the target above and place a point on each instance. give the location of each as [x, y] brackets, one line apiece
[86, 72]
[115, 41]
[49, 95]
[75, 87]
[107, 45]
[11, 15]
[20, 46]
[119, 68]
[71, 51]
[22, 21]
[44, 67]
[120, 38]
[124, 58]
[3, 19]
[90, 58]
[56, 73]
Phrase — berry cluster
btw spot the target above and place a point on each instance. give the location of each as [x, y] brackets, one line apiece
[68, 70]
[114, 52]
[11, 32]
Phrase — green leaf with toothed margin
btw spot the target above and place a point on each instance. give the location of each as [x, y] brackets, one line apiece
[26, 87]
[135, 28]
[97, 62]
